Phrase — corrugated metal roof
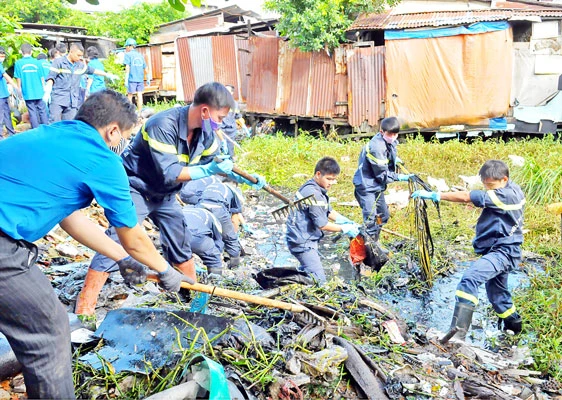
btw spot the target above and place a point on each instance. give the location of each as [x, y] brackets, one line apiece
[444, 18]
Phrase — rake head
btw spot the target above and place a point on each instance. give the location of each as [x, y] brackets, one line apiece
[283, 212]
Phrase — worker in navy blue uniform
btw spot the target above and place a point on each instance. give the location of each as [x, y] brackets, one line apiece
[224, 201]
[29, 75]
[498, 239]
[206, 237]
[5, 114]
[376, 169]
[191, 191]
[63, 168]
[306, 225]
[62, 87]
[173, 147]
[135, 68]
[230, 125]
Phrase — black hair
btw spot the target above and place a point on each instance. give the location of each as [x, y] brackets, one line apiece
[92, 52]
[327, 165]
[390, 125]
[77, 45]
[53, 52]
[494, 169]
[41, 56]
[215, 95]
[107, 106]
[2, 50]
[26, 48]
[61, 47]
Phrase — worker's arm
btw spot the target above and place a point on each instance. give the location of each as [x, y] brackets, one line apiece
[331, 227]
[455, 197]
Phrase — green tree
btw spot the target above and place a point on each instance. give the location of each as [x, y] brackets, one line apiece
[38, 11]
[320, 24]
[11, 41]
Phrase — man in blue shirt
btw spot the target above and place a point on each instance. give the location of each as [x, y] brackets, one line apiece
[95, 82]
[305, 225]
[29, 75]
[64, 83]
[63, 167]
[498, 239]
[376, 169]
[135, 67]
[5, 114]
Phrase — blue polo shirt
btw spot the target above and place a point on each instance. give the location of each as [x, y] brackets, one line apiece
[46, 64]
[49, 172]
[98, 82]
[500, 226]
[136, 64]
[31, 72]
[66, 81]
[3, 84]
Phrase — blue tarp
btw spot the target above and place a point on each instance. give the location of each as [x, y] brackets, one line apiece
[479, 27]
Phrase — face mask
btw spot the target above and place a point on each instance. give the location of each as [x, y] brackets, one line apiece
[210, 124]
[388, 139]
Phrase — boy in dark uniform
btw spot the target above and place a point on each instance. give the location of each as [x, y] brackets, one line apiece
[498, 240]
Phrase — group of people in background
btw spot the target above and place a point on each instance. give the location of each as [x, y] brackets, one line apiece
[54, 85]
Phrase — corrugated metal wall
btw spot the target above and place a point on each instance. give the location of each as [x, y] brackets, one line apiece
[365, 72]
[184, 72]
[244, 65]
[262, 85]
[201, 52]
[225, 62]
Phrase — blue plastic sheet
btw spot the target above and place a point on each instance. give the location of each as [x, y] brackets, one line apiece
[479, 27]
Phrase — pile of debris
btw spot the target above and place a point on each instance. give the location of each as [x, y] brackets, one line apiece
[339, 341]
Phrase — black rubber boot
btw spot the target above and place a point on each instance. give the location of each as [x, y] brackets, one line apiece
[462, 318]
[513, 323]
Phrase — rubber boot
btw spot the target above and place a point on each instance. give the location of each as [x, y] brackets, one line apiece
[462, 318]
[513, 323]
[88, 297]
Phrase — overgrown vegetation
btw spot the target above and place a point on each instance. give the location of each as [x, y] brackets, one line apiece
[320, 24]
[288, 162]
[12, 41]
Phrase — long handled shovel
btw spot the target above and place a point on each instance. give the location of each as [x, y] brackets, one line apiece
[249, 298]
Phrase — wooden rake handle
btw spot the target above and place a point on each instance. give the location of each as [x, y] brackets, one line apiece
[232, 294]
[267, 188]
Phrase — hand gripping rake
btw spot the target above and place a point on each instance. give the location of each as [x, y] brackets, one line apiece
[282, 212]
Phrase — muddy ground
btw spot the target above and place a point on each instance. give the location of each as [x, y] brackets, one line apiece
[379, 338]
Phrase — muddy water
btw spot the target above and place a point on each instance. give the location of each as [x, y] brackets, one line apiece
[433, 308]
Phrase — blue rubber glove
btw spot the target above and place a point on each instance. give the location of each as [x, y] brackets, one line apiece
[259, 184]
[351, 230]
[132, 271]
[341, 220]
[171, 280]
[424, 194]
[202, 171]
[404, 177]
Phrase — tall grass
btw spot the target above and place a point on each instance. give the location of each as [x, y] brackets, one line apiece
[287, 162]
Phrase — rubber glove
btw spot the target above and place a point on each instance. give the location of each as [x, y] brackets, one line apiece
[112, 77]
[404, 177]
[398, 160]
[47, 95]
[132, 271]
[233, 262]
[224, 166]
[171, 280]
[259, 184]
[424, 194]
[351, 230]
[341, 220]
[247, 229]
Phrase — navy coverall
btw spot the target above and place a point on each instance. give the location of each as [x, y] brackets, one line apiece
[153, 162]
[498, 239]
[206, 237]
[65, 95]
[223, 201]
[192, 190]
[230, 129]
[376, 169]
[303, 229]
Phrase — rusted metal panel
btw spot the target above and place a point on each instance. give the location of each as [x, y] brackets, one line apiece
[184, 70]
[244, 65]
[293, 84]
[201, 52]
[340, 84]
[366, 82]
[262, 90]
[202, 23]
[225, 61]
[145, 51]
[156, 61]
[321, 95]
[168, 82]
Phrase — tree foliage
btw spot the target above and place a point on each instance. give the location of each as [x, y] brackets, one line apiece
[12, 41]
[320, 24]
[37, 11]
